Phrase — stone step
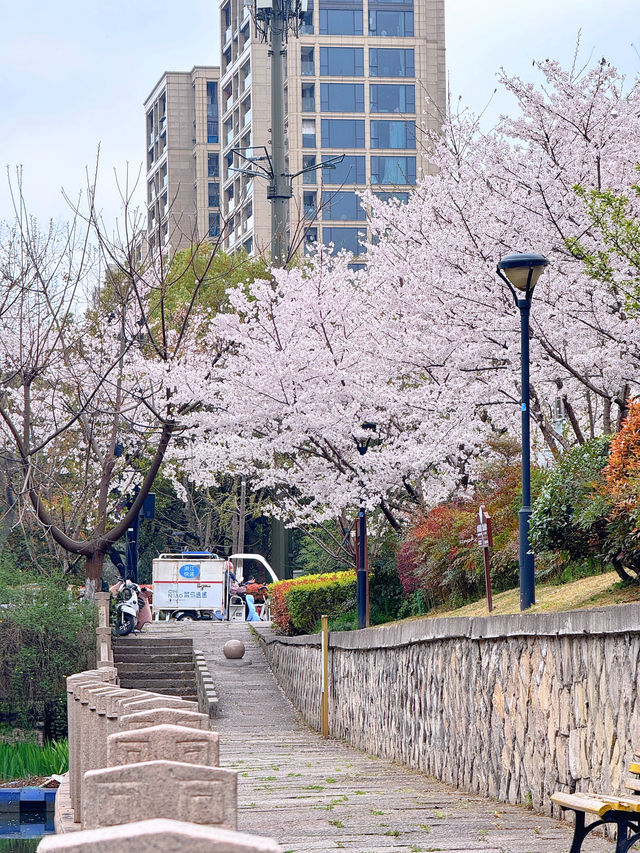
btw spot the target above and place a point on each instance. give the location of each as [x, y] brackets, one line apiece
[140, 679]
[153, 644]
[157, 670]
[152, 659]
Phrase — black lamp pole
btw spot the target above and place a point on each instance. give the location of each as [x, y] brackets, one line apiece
[362, 575]
[521, 273]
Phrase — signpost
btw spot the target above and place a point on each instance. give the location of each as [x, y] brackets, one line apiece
[485, 541]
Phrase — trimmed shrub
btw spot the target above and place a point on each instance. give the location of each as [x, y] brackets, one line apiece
[297, 605]
[568, 514]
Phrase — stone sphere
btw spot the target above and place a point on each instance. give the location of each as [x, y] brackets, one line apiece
[233, 649]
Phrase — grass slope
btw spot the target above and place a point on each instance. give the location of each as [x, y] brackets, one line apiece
[594, 591]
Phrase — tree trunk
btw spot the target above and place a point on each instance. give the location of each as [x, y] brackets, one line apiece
[93, 570]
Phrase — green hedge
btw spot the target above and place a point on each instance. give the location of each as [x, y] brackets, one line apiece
[297, 605]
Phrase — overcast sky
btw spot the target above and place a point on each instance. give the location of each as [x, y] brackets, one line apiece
[74, 75]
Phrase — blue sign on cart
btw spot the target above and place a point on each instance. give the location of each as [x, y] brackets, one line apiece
[190, 570]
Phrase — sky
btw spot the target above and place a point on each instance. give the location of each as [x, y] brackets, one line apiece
[74, 76]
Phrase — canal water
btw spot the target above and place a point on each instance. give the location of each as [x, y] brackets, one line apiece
[23, 825]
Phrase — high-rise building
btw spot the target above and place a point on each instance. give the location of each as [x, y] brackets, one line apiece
[183, 158]
[365, 78]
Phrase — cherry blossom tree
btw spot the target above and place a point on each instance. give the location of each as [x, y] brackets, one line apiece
[87, 333]
[425, 341]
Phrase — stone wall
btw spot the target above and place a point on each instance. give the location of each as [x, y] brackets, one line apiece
[511, 707]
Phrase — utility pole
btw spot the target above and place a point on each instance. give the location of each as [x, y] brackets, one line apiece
[279, 190]
[274, 20]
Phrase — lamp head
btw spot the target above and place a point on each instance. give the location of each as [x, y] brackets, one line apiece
[522, 271]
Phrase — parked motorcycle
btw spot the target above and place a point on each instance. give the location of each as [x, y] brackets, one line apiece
[127, 608]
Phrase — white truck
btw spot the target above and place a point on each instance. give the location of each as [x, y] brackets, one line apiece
[195, 585]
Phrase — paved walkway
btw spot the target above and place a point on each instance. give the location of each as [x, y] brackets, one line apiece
[313, 794]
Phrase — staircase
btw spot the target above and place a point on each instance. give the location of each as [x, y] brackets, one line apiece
[160, 664]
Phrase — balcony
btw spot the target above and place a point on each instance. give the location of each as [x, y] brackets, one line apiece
[163, 125]
[246, 82]
[247, 118]
[227, 36]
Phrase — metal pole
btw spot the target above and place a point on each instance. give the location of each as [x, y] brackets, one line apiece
[527, 568]
[361, 577]
[279, 191]
[325, 676]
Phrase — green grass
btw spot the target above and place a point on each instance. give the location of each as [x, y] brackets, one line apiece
[25, 760]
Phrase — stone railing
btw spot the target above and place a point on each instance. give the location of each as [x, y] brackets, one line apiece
[104, 652]
[206, 690]
[134, 753]
[511, 707]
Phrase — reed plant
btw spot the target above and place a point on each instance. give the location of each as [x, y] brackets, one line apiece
[26, 760]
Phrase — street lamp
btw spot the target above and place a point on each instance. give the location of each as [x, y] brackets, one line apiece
[521, 273]
[362, 574]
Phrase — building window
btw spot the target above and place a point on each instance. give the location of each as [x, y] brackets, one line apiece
[213, 165]
[341, 61]
[392, 98]
[308, 98]
[342, 133]
[343, 206]
[308, 133]
[306, 21]
[309, 177]
[214, 194]
[214, 225]
[402, 197]
[391, 17]
[310, 237]
[342, 97]
[343, 238]
[306, 61]
[390, 62]
[309, 205]
[248, 245]
[393, 170]
[341, 17]
[212, 113]
[351, 170]
[393, 134]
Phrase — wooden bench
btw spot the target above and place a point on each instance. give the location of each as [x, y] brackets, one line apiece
[623, 810]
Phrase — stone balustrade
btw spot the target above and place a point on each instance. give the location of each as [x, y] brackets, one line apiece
[134, 752]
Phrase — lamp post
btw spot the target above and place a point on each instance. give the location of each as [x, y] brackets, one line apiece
[521, 273]
[362, 557]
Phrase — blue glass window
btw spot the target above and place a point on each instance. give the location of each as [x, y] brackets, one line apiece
[390, 62]
[392, 98]
[386, 19]
[351, 170]
[342, 206]
[342, 62]
[307, 67]
[308, 133]
[342, 97]
[393, 134]
[341, 17]
[393, 170]
[402, 197]
[308, 98]
[214, 194]
[213, 165]
[343, 238]
[342, 133]
[214, 225]
[306, 21]
[312, 176]
[212, 112]
[309, 205]
[310, 237]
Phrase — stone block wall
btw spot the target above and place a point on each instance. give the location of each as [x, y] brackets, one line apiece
[510, 707]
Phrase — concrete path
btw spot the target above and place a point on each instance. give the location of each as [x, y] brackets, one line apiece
[313, 794]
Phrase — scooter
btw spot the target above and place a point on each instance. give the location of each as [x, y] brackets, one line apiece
[127, 607]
